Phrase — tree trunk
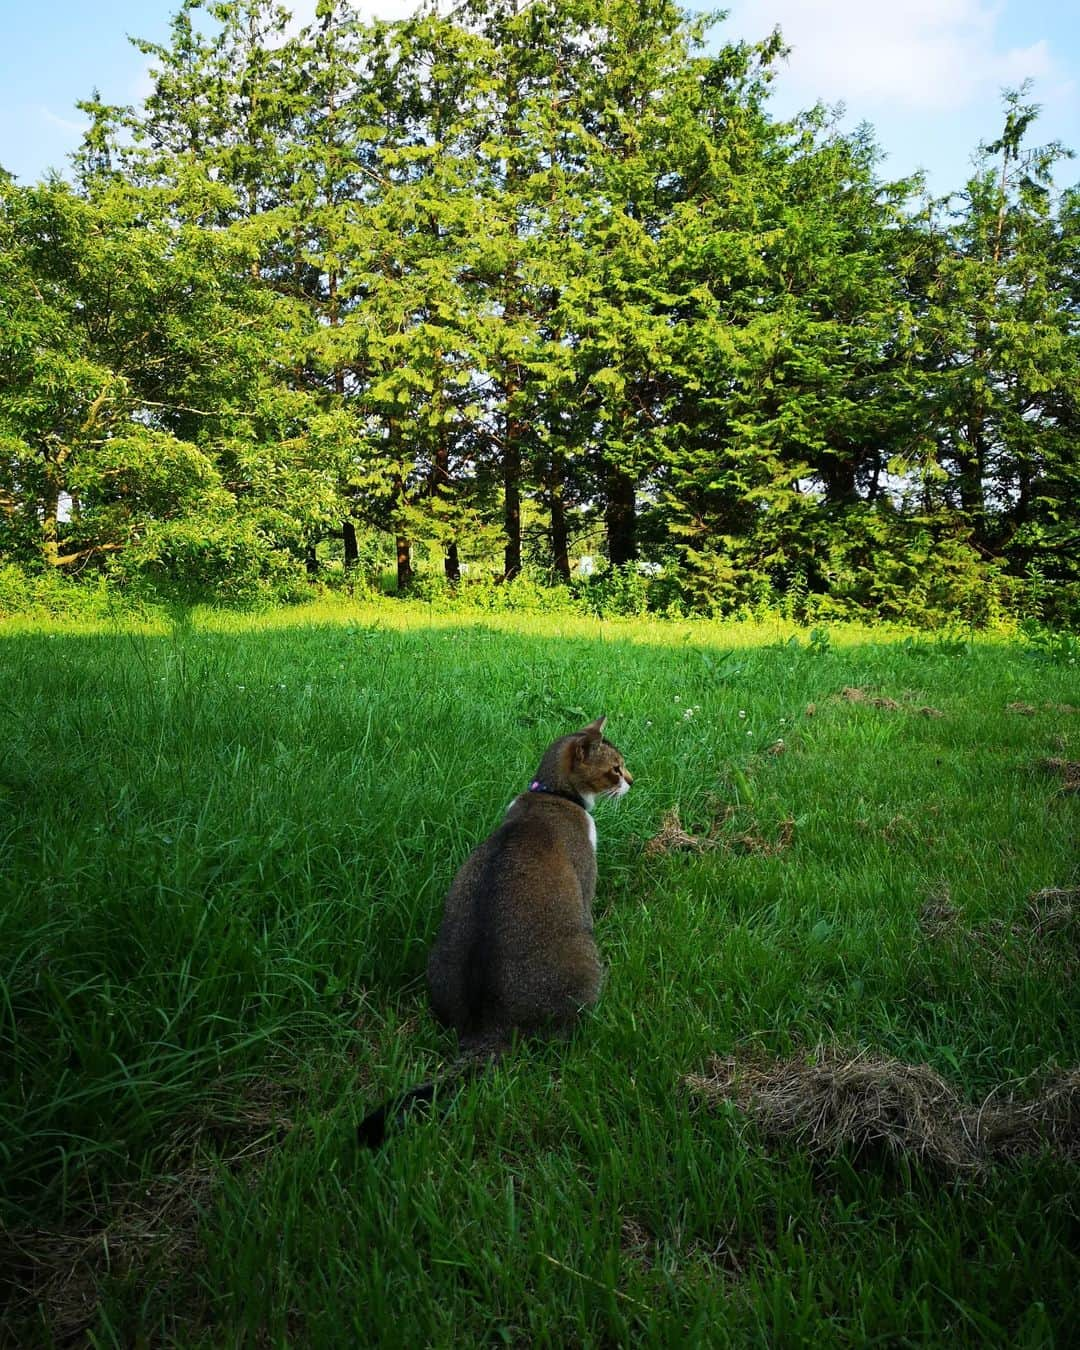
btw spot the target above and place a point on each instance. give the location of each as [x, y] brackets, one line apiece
[311, 560]
[348, 538]
[512, 495]
[560, 544]
[50, 511]
[404, 563]
[439, 488]
[969, 461]
[621, 518]
[838, 472]
[874, 490]
[1021, 513]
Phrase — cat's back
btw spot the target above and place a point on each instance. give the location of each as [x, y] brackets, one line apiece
[529, 883]
[541, 852]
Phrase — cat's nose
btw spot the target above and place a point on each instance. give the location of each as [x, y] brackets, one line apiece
[628, 775]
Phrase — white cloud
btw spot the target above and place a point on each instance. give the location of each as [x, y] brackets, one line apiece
[303, 12]
[65, 123]
[142, 86]
[925, 55]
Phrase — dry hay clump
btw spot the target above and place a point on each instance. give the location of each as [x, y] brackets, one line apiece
[855, 694]
[672, 838]
[1054, 908]
[55, 1277]
[1030, 709]
[1051, 910]
[150, 1230]
[838, 1100]
[939, 918]
[1067, 769]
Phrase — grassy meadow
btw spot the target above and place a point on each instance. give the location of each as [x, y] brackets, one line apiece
[224, 846]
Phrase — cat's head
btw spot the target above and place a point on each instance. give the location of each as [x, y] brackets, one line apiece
[593, 766]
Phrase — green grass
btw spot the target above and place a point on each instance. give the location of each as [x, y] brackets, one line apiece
[223, 852]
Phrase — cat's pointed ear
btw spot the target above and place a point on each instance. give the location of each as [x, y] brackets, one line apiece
[588, 739]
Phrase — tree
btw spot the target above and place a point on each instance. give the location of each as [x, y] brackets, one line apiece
[1001, 332]
[138, 368]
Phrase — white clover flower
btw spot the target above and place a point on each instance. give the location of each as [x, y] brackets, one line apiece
[742, 712]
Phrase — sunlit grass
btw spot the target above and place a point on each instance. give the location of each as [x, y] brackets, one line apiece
[223, 851]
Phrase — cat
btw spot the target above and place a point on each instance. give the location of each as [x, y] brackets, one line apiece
[515, 951]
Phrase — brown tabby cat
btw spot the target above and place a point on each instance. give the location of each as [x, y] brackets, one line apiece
[515, 951]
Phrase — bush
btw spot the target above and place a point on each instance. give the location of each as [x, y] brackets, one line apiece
[52, 594]
[1051, 647]
[226, 561]
[613, 592]
[867, 563]
[529, 592]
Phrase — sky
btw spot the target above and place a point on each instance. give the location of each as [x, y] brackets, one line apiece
[927, 74]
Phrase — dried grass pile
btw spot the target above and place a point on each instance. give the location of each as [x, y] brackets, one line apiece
[1054, 909]
[939, 918]
[1067, 769]
[152, 1231]
[672, 838]
[837, 1101]
[149, 1230]
[852, 694]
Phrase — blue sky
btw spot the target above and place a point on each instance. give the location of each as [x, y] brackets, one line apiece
[926, 73]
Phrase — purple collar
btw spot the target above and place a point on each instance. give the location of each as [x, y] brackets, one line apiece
[537, 786]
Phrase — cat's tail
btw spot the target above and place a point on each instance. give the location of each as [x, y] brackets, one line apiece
[391, 1116]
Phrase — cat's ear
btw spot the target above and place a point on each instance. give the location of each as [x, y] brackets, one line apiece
[588, 739]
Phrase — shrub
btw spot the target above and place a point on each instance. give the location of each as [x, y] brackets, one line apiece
[226, 560]
[52, 594]
[613, 592]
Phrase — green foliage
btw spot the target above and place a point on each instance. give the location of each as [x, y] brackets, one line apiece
[38, 594]
[715, 584]
[226, 559]
[136, 358]
[915, 572]
[527, 593]
[859, 564]
[501, 280]
[1050, 646]
[620, 591]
